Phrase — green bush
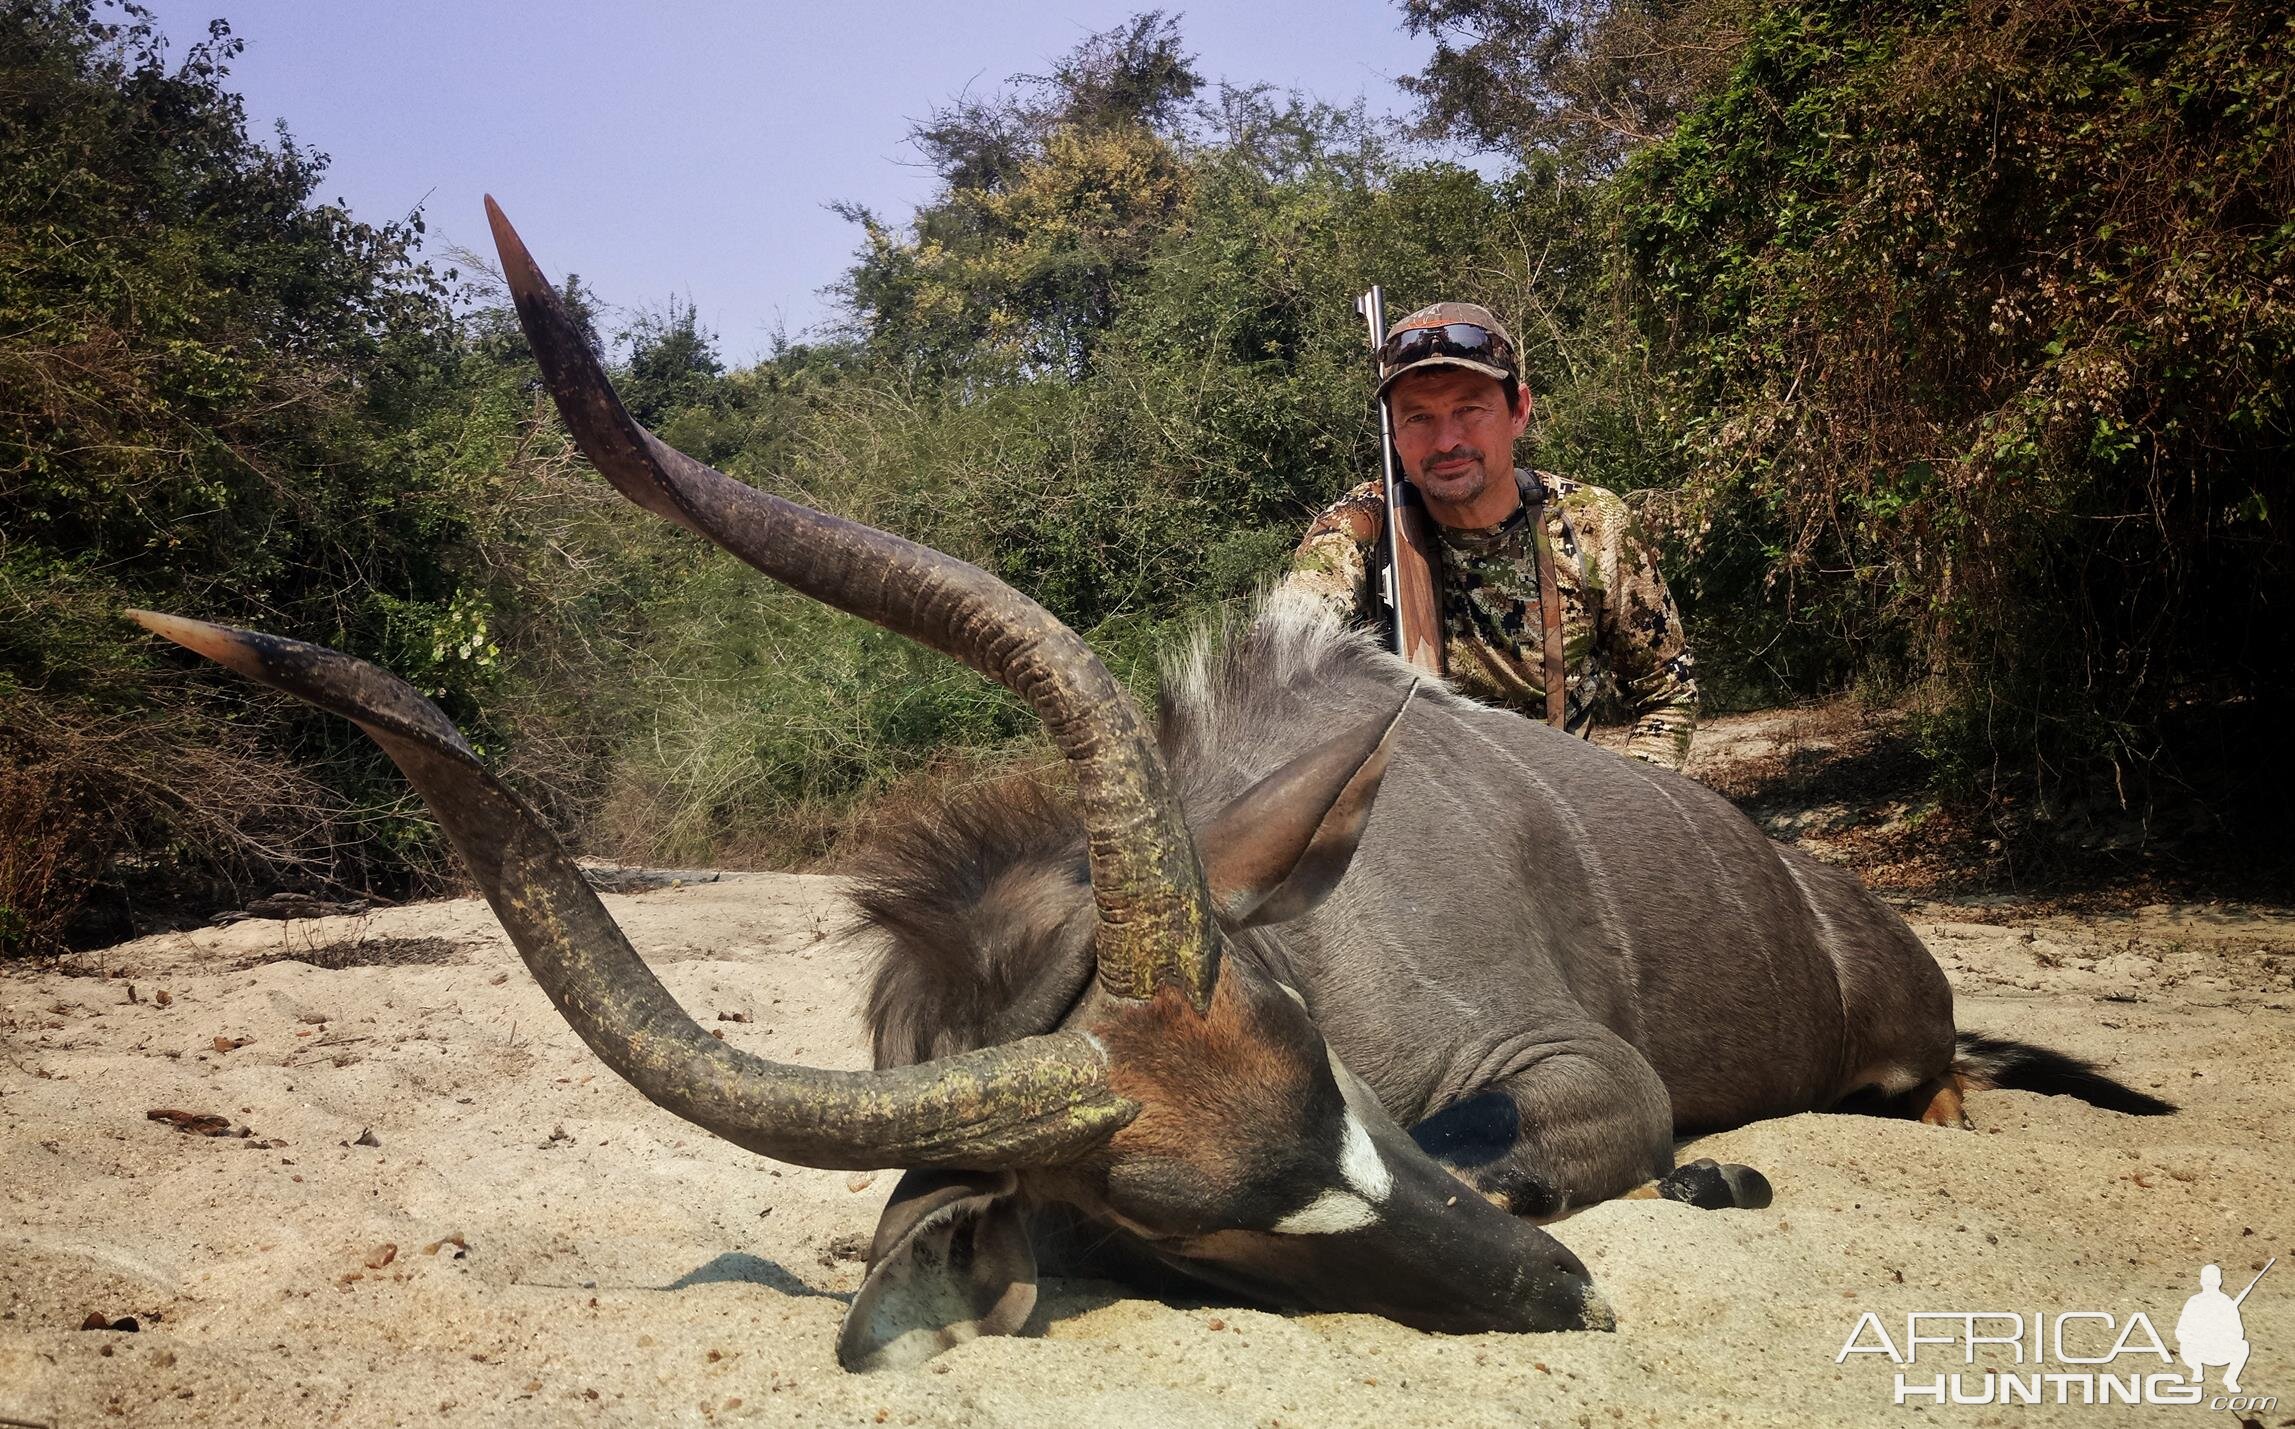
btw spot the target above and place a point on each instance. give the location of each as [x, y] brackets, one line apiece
[207, 383]
[1976, 326]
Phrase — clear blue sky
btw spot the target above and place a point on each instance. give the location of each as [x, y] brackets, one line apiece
[691, 149]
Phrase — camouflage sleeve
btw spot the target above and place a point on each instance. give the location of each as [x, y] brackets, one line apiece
[1657, 678]
[1332, 565]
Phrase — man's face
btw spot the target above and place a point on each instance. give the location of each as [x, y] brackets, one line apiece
[1455, 433]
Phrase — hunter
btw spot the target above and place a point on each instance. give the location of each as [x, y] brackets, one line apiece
[1449, 379]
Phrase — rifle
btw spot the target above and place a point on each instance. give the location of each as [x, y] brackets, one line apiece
[2266, 1270]
[1415, 622]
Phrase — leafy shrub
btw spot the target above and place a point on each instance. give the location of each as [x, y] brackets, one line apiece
[1977, 325]
[207, 389]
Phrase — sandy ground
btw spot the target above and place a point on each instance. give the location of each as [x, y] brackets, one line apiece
[448, 1211]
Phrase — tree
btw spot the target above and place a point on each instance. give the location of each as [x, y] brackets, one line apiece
[1131, 76]
[208, 390]
[673, 363]
[1053, 193]
[1584, 81]
[1977, 337]
[1134, 75]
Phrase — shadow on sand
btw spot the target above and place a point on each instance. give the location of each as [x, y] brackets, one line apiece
[736, 1267]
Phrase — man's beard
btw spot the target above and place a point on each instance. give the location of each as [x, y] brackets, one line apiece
[1458, 487]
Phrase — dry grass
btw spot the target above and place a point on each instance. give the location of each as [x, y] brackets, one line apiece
[78, 788]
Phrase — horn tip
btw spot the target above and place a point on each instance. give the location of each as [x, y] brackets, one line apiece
[181, 629]
[220, 643]
[518, 265]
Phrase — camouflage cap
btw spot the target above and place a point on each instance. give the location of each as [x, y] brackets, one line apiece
[1495, 359]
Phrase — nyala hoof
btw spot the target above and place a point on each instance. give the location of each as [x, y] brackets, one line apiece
[1713, 1186]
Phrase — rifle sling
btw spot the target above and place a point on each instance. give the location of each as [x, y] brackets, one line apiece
[1549, 615]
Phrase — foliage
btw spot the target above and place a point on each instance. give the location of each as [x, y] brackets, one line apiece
[1054, 194]
[1947, 342]
[205, 385]
[673, 364]
[1586, 82]
[1977, 325]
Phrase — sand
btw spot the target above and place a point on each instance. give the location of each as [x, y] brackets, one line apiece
[448, 1211]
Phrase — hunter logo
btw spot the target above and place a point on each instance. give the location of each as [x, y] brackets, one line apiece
[2209, 1331]
[2070, 1357]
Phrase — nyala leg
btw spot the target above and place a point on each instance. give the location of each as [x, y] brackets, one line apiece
[1576, 1119]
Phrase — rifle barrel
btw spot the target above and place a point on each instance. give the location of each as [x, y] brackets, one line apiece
[2266, 1270]
[1373, 308]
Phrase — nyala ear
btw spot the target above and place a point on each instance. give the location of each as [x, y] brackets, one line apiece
[951, 1263]
[1281, 845]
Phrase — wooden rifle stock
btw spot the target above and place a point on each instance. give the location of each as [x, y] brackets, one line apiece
[1414, 615]
[1418, 623]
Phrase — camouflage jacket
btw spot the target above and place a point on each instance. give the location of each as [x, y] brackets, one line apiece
[1623, 651]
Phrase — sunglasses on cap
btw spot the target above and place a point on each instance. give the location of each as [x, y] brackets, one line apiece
[1471, 341]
